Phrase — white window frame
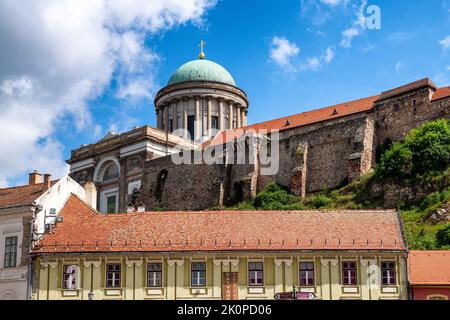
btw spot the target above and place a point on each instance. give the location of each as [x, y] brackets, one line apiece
[104, 199]
[198, 272]
[11, 232]
[161, 272]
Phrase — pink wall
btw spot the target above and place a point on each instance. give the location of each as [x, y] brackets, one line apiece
[422, 293]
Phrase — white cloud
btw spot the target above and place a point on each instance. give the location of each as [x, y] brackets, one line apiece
[448, 68]
[398, 67]
[332, 2]
[445, 43]
[401, 36]
[283, 52]
[329, 55]
[358, 25]
[58, 54]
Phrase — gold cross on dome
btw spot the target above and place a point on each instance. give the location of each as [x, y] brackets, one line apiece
[202, 47]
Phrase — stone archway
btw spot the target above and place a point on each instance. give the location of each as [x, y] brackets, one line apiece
[8, 295]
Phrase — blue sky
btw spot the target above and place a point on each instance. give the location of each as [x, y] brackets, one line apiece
[289, 56]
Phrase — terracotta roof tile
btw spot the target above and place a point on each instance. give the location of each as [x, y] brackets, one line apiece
[298, 120]
[441, 93]
[85, 230]
[22, 195]
[406, 88]
[429, 267]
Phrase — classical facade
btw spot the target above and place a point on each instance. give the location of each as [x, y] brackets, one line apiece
[201, 106]
[26, 213]
[339, 255]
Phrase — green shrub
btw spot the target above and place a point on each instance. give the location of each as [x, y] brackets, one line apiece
[396, 162]
[319, 202]
[425, 149]
[274, 197]
[443, 237]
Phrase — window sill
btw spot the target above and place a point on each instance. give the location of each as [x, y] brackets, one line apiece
[256, 290]
[70, 292]
[113, 291]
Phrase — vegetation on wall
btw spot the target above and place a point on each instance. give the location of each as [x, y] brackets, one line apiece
[422, 158]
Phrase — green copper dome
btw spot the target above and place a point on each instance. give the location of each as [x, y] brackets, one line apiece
[202, 70]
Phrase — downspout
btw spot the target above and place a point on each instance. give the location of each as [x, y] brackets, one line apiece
[30, 259]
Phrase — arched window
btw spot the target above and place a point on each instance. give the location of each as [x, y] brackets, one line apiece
[160, 182]
[111, 172]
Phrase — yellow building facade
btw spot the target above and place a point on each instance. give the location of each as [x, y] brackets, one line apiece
[225, 277]
[226, 255]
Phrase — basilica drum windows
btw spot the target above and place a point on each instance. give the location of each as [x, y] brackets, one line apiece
[256, 274]
[70, 277]
[198, 274]
[349, 273]
[113, 275]
[154, 275]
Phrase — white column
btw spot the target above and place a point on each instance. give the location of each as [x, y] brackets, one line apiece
[221, 114]
[208, 115]
[230, 115]
[238, 117]
[243, 117]
[198, 124]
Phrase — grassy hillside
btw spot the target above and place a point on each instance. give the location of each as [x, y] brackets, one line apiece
[422, 159]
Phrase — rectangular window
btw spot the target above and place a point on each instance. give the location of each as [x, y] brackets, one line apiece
[191, 127]
[349, 273]
[256, 273]
[113, 275]
[111, 202]
[307, 274]
[154, 275]
[70, 277]
[11, 252]
[170, 125]
[388, 274]
[214, 122]
[198, 274]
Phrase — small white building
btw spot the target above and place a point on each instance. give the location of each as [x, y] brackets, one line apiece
[25, 214]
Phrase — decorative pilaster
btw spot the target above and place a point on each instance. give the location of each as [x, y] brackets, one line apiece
[238, 117]
[198, 124]
[221, 126]
[208, 115]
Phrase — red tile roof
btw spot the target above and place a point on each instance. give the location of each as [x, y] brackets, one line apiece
[298, 120]
[429, 267]
[441, 93]
[85, 230]
[21, 196]
[406, 88]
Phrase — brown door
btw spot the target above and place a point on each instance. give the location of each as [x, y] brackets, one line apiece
[230, 286]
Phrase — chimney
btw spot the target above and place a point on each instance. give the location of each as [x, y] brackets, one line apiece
[34, 178]
[47, 180]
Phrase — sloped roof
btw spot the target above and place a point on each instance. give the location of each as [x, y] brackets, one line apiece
[429, 267]
[85, 230]
[297, 120]
[22, 195]
[441, 93]
[406, 88]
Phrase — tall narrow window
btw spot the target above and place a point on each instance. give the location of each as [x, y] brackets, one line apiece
[70, 277]
[307, 274]
[349, 273]
[191, 127]
[256, 273]
[388, 274]
[154, 275]
[170, 125]
[214, 122]
[111, 204]
[11, 252]
[113, 275]
[198, 274]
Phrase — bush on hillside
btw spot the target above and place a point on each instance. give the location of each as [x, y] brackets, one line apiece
[443, 237]
[425, 149]
[274, 197]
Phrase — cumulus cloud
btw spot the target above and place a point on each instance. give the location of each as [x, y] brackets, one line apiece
[283, 53]
[359, 25]
[57, 55]
[445, 43]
